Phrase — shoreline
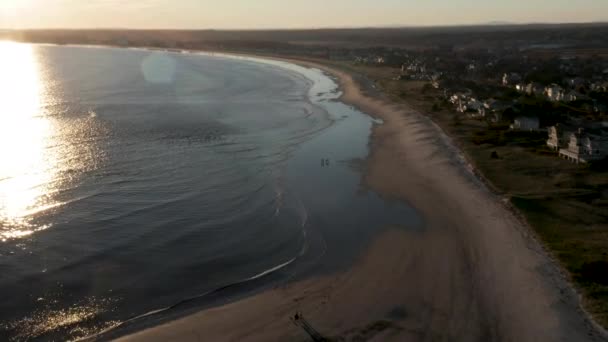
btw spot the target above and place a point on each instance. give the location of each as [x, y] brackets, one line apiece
[377, 106]
[526, 229]
[468, 164]
[407, 144]
[324, 94]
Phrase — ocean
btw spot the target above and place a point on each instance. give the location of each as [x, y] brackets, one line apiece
[136, 184]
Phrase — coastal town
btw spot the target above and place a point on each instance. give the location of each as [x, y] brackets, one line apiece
[564, 96]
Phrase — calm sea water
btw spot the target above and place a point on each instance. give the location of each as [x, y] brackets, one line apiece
[132, 180]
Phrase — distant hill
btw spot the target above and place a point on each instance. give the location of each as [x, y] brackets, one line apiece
[497, 34]
[498, 23]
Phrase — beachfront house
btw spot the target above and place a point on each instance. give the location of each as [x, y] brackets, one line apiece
[526, 123]
[510, 79]
[461, 106]
[474, 104]
[583, 147]
[494, 105]
[534, 89]
[600, 108]
[460, 97]
[576, 82]
[572, 96]
[475, 108]
[435, 79]
[554, 92]
[600, 86]
[456, 97]
[556, 137]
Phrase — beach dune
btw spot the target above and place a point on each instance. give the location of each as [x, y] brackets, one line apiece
[475, 273]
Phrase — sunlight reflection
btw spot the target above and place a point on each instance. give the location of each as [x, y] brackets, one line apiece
[27, 164]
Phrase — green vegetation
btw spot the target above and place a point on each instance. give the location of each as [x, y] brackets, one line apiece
[566, 204]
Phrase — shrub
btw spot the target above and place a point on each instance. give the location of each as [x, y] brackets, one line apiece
[595, 272]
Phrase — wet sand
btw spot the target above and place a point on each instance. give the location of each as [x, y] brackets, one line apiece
[476, 273]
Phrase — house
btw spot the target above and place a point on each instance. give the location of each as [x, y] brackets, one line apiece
[475, 108]
[460, 106]
[583, 147]
[494, 117]
[599, 86]
[554, 92]
[572, 96]
[600, 108]
[526, 123]
[457, 97]
[510, 79]
[520, 87]
[556, 137]
[474, 104]
[494, 105]
[361, 59]
[493, 109]
[416, 71]
[435, 80]
[534, 89]
[464, 96]
[576, 82]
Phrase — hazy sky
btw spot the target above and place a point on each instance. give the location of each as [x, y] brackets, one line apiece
[289, 13]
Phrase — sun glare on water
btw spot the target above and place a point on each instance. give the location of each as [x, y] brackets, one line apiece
[26, 166]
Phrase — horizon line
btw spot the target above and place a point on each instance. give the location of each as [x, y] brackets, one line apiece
[369, 27]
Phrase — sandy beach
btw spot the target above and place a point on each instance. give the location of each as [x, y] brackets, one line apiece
[476, 273]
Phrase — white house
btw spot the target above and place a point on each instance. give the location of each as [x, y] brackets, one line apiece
[435, 80]
[457, 97]
[556, 138]
[583, 147]
[599, 86]
[461, 107]
[525, 123]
